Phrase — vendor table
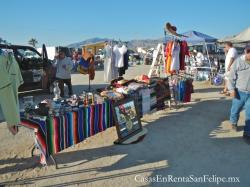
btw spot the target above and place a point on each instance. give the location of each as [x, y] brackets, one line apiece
[56, 133]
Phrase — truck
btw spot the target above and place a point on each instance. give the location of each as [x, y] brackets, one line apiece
[36, 69]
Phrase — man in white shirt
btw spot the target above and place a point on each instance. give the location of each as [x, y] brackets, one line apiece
[231, 55]
[64, 66]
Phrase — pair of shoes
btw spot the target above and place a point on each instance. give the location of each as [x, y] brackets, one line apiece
[246, 138]
[235, 127]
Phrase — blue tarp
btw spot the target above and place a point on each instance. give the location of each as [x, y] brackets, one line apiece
[194, 37]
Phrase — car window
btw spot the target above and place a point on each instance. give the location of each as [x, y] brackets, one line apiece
[27, 53]
[28, 59]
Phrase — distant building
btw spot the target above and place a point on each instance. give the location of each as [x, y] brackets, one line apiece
[93, 47]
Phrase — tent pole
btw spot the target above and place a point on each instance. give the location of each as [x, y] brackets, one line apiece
[208, 57]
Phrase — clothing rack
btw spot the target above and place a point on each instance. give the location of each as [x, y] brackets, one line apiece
[174, 93]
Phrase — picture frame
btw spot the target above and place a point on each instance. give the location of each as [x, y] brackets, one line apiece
[126, 118]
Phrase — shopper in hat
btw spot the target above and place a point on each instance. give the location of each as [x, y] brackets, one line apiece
[64, 66]
[231, 55]
[239, 87]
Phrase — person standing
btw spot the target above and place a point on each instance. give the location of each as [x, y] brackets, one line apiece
[64, 66]
[231, 55]
[76, 59]
[239, 87]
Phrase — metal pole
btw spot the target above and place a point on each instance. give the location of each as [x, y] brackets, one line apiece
[208, 57]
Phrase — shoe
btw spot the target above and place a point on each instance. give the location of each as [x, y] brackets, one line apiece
[246, 138]
[235, 127]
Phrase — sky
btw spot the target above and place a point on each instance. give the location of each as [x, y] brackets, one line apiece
[62, 22]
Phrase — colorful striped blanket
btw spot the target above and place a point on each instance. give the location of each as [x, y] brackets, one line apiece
[56, 133]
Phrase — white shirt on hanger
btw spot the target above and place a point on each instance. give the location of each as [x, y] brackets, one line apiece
[107, 63]
[119, 55]
[175, 65]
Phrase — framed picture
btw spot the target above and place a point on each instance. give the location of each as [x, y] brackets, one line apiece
[126, 119]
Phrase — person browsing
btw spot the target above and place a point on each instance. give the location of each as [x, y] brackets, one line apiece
[239, 88]
[231, 55]
[63, 66]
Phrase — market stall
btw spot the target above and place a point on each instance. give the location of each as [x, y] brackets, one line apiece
[63, 122]
[201, 71]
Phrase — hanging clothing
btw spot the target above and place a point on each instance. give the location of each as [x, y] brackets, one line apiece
[184, 90]
[168, 51]
[126, 59]
[184, 51]
[175, 64]
[16, 76]
[119, 55]
[11, 79]
[110, 71]
[87, 66]
[189, 89]
[107, 63]
[123, 69]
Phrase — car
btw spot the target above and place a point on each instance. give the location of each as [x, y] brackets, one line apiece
[36, 68]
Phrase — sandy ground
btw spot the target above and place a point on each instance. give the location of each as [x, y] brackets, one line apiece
[193, 140]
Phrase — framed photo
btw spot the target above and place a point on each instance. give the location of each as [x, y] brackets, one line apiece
[126, 119]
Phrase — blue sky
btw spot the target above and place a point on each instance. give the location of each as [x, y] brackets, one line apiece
[61, 22]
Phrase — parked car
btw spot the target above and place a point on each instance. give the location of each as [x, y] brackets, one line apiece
[36, 68]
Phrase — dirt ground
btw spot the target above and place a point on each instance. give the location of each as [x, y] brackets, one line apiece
[192, 140]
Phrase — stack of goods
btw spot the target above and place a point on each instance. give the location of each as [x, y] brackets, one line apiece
[146, 102]
[132, 89]
[143, 78]
[112, 95]
[153, 99]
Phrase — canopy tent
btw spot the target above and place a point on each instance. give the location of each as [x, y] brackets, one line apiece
[242, 37]
[194, 37]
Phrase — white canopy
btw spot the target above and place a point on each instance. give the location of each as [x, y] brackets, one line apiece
[242, 37]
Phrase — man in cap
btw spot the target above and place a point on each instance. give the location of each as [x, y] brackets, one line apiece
[239, 88]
